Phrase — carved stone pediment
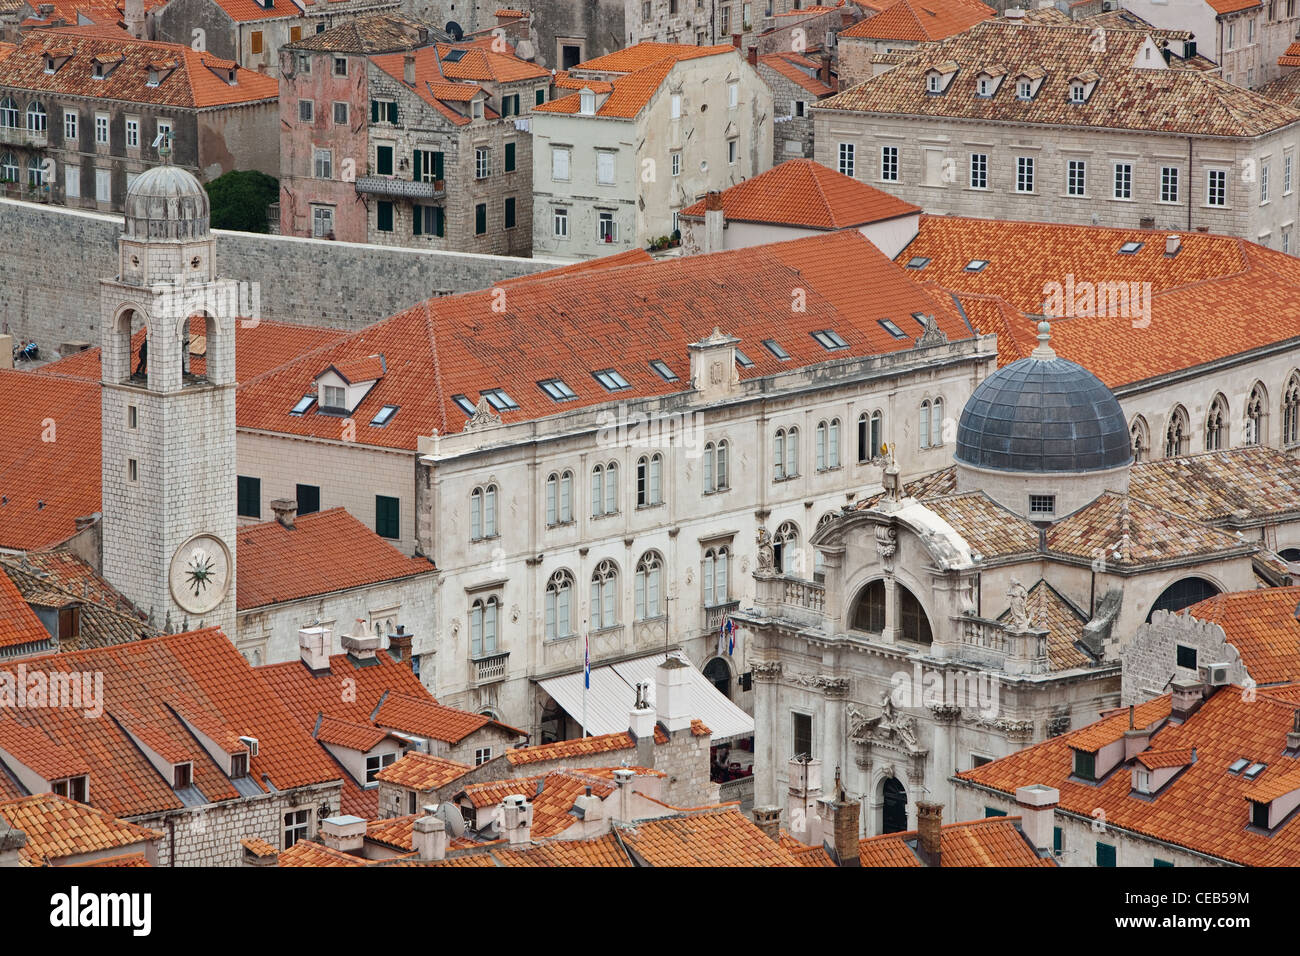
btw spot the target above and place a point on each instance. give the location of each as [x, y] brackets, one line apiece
[889, 728]
[484, 416]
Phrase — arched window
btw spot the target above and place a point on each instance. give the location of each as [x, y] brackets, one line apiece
[1216, 424]
[1183, 594]
[1256, 431]
[559, 498]
[35, 172]
[36, 118]
[893, 807]
[869, 609]
[786, 556]
[1140, 439]
[709, 486]
[715, 576]
[9, 168]
[647, 586]
[649, 480]
[819, 561]
[936, 423]
[483, 512]
[913, 625]
[925, 424]
[604, 489]
[719, 675]
[559, 605]
[715, 466]
[604, 594]
[8, 113]
[785, 453]
[483, 616]
[1291, 411]
[828, 444]
[1176, 433]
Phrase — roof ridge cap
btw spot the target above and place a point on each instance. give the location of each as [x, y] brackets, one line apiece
[437, 365]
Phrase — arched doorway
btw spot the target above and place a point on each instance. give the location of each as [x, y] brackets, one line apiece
[719, 675]
[894, 807]
[1182, 594]
[1290, 555]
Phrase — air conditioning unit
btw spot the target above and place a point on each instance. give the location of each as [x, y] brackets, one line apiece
[1217, 674]
[251, 744]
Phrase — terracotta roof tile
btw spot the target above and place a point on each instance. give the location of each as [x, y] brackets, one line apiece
[377, 33]
[992, 842]
[120, 860]
[420, 714]
[19, 624]
[920, 21]
[341, 733]
[1165, 759]
[787, 65]
[638, 72]
[310, 853]
[1262, 626]
[578, 747]
[716, 836]
[422, 771]
[258, 847]
[57, 828]
[1050, 609]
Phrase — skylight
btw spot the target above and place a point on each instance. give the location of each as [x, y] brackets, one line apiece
[829, 340]
[1238, 765]
[774, 347]
[891, 328]
[920, 317]
[465, 404]
[453, 56]
[1254, 770]
[1129, 248]
[662, 370]
[558, 390]
[611, 380]
[743, 360]
[918, 262]
[383, 416]
[976, 265]
[499, 400]
[304, 403]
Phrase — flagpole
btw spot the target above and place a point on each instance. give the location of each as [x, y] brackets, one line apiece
[586, 672]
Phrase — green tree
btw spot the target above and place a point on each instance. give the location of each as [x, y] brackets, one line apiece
[239, 199]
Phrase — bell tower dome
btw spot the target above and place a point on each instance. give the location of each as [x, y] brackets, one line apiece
[168, 408]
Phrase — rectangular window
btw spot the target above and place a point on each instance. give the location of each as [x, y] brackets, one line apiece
[322, 222]
[1085, 765]
[1058, 840]
[480, 219]
[386, 517]
[802, 727]
[340, 66]
[1042, 504]
[103, 185]
[1186, 657]
[539, 97]
[993, 812]
[733, 95]
[482, 755]
[69, 124]
[1156, 861]
[482, 166]
[604, 167]
[1216, 187]
[1024, 174]
[306, 111]
[510, 212]
[256, 41]
[846, 158]
[732, 152]
[376, 763]
[560, 164]
[72, 182]
[101, 129]
[132, 470]
[384, 160]
[295, 34]
[308, 498]
[1286, 175]
[164, 129]
[561, 223]
[427, 165]
[427, 221]
[1123, 181]
[677, 163]
[296, 824]
[323, 163]
[1076, 178]
[510, 158]
[979, 171]
[250, 497]
[340, 114]
[1105, 854]
[889, 164]
[384, 216]
[1263, 183]
[606, 228]
[1169, 184]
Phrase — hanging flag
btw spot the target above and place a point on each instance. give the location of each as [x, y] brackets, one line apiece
[729, 634]
[586, 661]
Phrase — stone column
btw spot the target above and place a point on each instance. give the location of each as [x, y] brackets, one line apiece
[767, 734]
[944, 751]
[835, 693]
[890, 634]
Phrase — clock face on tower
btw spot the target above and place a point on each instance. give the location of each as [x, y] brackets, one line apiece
[200, 573]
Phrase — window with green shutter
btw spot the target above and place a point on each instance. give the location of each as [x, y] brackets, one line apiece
[374, 111]
[1156, 861]
[384, 160]
[510, 157]
[386, 517]
[249, 493]
[541, 96]
[510, 212]
[480, 219]
[1105, 854]
[384, 217]
[994, 812]
[1056, 839]
[1085, 765]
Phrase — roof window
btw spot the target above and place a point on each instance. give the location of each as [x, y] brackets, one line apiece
[383, 416]
[1129, 248]
[612, 381]
[557, 390]
[830, 340]
[465, 404]
[918, 262]
[304, 403]
[774, 347]
[499, 400]
[662, 370]
[889, 326]
[976, 265]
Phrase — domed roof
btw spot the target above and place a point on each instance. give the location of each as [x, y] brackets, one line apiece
[166, 202]
[1043, 414]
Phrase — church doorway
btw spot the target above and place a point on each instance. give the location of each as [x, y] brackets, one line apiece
[719, 675]
[894, 809]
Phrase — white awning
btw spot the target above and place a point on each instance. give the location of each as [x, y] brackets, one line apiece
[613, 692]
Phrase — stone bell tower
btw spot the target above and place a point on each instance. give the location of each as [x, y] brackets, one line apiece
[168, 407]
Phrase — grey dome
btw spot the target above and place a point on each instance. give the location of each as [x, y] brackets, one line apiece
[1043, 414]
[166, 202]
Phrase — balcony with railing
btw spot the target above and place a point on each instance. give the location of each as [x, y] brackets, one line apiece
[485, 670]
[793, 599]
[994, 645]
[22, 136]
[401, 188]
[716, 614]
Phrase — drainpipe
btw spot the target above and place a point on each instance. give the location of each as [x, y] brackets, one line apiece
[1191, 191]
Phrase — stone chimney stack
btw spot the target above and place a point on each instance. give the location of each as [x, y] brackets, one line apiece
[672, 690]
[753, 56]
[1185, 698]
[133, 17]
[590, 809]
[285, 510]
[839, 825]
[408, 69]
[429, 836]
[399, 644]
[768, 819]
[1293, 736]
[623, 780]
[345, 833]
[314, 648]
[929, 825]
[517, 819]
[805, 778]
[1037, 806]
[714, 222]
[361, 644]
[642, 726]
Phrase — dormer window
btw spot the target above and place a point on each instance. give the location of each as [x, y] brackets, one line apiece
[238, 766]
[587, 102]
[153, 77]
[934, 83]
[476, 109]
[939, 76]
[334, 398]
[182, 776]
[74, 788]
[1024, 89]
[1077, 92]
[49, 64]
[985, 86]
[1085, 765]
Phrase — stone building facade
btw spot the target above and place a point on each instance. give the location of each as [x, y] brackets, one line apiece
[1245, 39]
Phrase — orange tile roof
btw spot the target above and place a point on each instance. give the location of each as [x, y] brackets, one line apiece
[1262, 626]
[342, 733]
[786, 65]
[197, 673]
[920, 21]
[1207, 280]
[323, 552]
[45, 485]
[310, 853]
[714, 836]
[603, 851]
[1232, 6]
[121, 860]
[192, 85]
[578, 747]
[1164, 759]
[479, 63]
[19, 624]
[258, 847]
[804, 854]
[422, 771]
[1249, 485]
[420, 714]
[1291, 56]
[1205, 807]
[801, 192]
[638, 72]
[1146, 716]
[246, 11]
[58, 828]
[441, 347]
[996, 841]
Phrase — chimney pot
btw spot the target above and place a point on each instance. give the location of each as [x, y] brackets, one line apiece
[1172, 245]
[285, 510]
[929, 825]
[429, 836]
[1037, 806]
[753, 56]
[768, 819]
[399, 644]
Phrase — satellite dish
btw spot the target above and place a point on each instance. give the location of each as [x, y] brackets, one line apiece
[449, 814]
[456, 31]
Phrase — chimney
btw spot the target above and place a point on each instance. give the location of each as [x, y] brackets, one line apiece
[735, 40]
[399, 644]
[805, 776]
[929, 832]
[824, 70]
[642, 726]
[1147, 222]
[714, 221]
[133, 16]
[1293, 738]
[672, 688]
[839, 829]
[590, 809]
[429, 836]
[408, 69]
[361, 644]
[314, 648]
[86, 521]
[1037, 805]
[768, 819]
[517, 818]
[346, 833]
[11, 843]
[1136, 739]
[753, 56]
[285, 510]
[1172, 245]
[1185, 699]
